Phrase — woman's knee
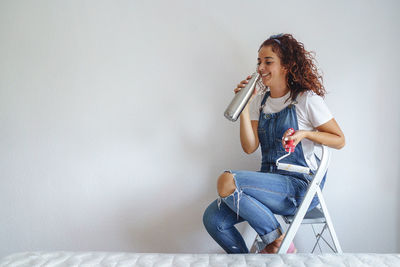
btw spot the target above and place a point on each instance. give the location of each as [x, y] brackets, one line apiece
[226, 184]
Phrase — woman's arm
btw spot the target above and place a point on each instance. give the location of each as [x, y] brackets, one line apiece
[248, 132]
[248, 128]
[328, 134]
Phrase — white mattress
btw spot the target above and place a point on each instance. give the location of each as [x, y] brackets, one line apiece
[195, 260]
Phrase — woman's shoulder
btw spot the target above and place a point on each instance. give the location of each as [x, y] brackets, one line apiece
[308, 98]
[313, 107]
[309, 94]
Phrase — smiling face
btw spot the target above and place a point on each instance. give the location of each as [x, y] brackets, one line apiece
[272, 72]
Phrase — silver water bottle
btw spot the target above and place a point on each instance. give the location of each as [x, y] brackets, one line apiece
[241, 98]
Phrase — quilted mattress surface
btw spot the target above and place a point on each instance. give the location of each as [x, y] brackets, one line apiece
[195, 260]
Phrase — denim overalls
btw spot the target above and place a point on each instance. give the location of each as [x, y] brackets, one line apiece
[260, 195]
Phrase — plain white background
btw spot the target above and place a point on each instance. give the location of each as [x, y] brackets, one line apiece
[112, 133]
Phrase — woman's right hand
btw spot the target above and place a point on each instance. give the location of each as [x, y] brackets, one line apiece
[242, 84]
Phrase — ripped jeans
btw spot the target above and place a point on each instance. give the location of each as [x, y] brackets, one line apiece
[258, 196]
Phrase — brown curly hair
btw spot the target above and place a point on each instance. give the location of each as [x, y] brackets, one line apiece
[302, 74]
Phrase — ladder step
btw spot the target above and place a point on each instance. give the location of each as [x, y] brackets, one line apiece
[314, 216]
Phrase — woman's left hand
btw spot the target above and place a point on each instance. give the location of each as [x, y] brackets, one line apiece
[297, 137]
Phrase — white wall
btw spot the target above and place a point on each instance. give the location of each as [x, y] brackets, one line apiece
[111, 127]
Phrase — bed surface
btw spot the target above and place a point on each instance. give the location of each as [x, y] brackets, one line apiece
[195, 260]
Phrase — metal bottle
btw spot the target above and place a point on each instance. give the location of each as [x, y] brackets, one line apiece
[241, 98]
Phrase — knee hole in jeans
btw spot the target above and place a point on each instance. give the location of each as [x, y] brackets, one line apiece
[226, 184]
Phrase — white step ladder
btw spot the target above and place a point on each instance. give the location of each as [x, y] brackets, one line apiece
[318, 215]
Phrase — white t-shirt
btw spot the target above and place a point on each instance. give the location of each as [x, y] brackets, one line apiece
[311, 112]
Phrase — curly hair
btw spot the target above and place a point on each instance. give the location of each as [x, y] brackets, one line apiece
[302, 74]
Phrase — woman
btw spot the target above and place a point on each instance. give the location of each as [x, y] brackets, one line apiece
[294, 100]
